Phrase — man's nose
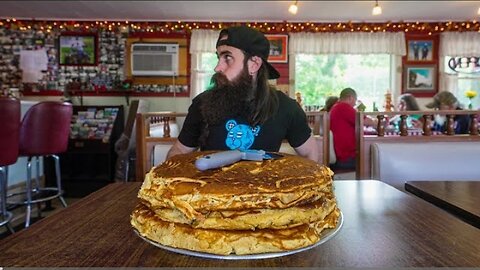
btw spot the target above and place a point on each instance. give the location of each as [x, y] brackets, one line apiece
[219, 68]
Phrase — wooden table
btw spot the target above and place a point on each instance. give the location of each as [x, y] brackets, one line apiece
[383, 227]
[461, 198]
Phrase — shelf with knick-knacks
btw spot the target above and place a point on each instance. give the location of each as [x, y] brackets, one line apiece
[141, 90]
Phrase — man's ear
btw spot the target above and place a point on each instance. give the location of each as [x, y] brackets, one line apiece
[254, 64]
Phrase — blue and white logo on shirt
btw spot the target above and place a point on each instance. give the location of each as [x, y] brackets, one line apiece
[240, 136]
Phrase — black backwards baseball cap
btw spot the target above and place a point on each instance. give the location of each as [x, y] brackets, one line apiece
[251, 41]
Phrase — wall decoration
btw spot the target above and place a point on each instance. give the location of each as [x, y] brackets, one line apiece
[278, 48]
[420, 50]
[77, 49]
[420, 65]
[420, 78]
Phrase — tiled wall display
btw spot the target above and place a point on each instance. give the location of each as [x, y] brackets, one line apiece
[107, 76]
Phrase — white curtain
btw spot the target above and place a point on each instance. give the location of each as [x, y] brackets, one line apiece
[202, 41]
[459, 44]
[456, 44]
[347, 43]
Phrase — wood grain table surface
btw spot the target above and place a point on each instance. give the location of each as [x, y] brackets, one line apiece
[383, 227]
[461, 198]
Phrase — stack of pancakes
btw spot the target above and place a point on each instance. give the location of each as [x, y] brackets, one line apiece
[248, 207]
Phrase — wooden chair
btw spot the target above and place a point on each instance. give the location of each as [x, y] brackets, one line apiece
[146, 143]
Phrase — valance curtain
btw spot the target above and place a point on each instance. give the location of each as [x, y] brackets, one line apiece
[202, 41]
[456, 44]
[347, 43]
[459, 44]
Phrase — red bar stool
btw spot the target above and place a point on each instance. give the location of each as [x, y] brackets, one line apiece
[9, 136]
[44, 131]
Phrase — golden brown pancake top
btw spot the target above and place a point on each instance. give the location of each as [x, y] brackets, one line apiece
[285, 174]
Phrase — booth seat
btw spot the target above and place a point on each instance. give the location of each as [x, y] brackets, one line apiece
[396, 163]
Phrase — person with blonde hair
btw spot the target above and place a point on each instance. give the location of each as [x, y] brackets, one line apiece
[447, 101]
[329, 102]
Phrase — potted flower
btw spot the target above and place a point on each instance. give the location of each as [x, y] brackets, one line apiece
[470, 94]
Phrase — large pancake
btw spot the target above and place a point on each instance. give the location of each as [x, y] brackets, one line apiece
[227, 242]
[279, 183]
[252, 219]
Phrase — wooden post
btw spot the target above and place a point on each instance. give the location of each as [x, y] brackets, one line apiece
[403, 125]
[427, 123]
[473, 124]
[450, 124]
[140, 147]
[166, 127]
[380, 125]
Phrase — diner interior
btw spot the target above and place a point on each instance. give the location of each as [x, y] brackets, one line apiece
[93, 94]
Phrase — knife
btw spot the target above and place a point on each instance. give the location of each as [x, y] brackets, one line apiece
[224, 158]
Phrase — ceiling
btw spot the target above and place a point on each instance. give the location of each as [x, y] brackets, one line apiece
[241, 11]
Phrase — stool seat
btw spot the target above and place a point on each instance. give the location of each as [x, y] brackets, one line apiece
[44, 131]
[9, 145]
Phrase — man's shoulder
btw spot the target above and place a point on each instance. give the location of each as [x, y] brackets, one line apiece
[284, 99]
[341, 108]
[201, 95]
[198, 98]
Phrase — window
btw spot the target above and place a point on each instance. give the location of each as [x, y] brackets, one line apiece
[319, 76]
[208, 61]
[466, 71]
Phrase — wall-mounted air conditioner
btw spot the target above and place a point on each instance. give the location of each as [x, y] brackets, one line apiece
[154, 59]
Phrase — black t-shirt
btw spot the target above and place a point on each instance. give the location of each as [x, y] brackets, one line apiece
[290, 122]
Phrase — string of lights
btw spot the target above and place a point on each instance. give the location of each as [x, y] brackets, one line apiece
[266, 27]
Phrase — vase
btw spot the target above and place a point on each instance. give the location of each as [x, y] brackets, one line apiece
[470, 106]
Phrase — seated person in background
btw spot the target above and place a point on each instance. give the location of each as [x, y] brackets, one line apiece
[329, 102]
[242, 110]
[342, 125]
[447, 101]
[407, 102]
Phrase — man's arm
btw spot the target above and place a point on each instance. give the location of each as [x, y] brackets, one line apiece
[369, 121]
[309, 149]
[179, 148]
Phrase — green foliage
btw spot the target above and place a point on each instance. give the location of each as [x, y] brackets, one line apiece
[207, 65]
[320, 76]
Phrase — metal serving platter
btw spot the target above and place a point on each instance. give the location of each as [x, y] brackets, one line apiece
[327, 234]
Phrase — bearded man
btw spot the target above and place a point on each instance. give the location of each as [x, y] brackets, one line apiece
[242, 110]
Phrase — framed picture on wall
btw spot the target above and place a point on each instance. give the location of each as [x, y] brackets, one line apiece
[77, 49]
[420, 79]
[421, 50]
[278, 48]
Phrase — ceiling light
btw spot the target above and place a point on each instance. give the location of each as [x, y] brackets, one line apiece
[293, 8]
[377, 10]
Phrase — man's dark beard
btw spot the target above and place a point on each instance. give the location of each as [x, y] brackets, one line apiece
[229, 99]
